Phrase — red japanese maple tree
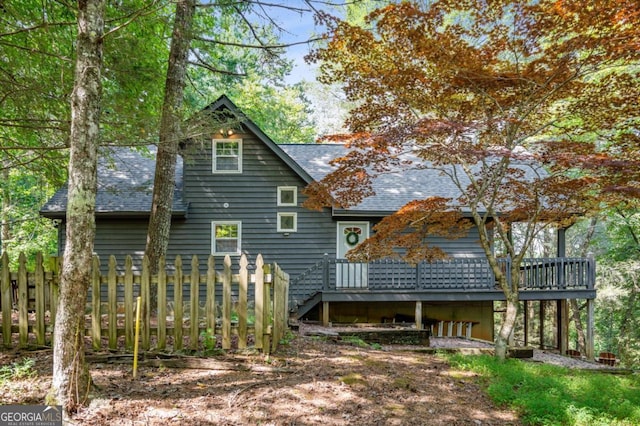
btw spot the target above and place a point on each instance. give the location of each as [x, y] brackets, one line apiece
[530, 108]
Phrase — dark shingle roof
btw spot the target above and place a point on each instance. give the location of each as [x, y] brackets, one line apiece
[125, 185]
[392, 190]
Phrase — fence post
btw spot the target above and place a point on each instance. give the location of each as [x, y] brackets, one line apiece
[325, 272]
[259, 303]
[96, 318]
[226, 304]
[278, 307]
[195, 302]
[5, 295]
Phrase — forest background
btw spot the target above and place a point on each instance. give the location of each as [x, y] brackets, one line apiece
[240, 51]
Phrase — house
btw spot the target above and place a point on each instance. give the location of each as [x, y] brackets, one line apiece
[242, 193]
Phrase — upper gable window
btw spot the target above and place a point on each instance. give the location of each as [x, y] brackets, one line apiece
[287, 195]
[227, 156]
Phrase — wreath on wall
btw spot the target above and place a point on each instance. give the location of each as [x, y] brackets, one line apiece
[352, 238]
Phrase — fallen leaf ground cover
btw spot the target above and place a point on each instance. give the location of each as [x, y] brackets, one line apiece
[309, 381]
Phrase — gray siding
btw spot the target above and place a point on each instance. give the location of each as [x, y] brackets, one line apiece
[252, 199]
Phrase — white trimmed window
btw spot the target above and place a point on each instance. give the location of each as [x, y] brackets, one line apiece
[287, 196]
[287, 222]
[226, 238]
[227, 156]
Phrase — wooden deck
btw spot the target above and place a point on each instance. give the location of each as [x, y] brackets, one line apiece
[458, 279]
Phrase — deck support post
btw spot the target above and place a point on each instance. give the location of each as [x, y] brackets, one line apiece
[590, 325]
[325, 314]
[563, 325]
[418, 315]
[541, 331]
[525, 309]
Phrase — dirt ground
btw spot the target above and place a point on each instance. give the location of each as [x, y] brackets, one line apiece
[309, 381]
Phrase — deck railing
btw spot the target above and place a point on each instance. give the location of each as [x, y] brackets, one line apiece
[455, 274]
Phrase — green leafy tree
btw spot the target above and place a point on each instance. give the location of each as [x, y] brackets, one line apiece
[37, 42]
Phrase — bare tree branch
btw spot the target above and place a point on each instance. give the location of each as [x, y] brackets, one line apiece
[147, 10]
[203, 64]
[256, 46]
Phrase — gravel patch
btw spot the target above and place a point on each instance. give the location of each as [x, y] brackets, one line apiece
[539, 355]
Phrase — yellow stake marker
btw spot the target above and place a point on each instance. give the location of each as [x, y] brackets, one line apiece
[135, 344]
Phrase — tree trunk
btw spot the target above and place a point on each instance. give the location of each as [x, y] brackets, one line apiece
[510, 288]
[170, 136]
[71, 379]
[5, 233]
[502, 341]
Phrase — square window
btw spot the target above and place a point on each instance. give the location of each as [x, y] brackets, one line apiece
[227, 156]
[287, 195]
[287, 222]
[226, 238]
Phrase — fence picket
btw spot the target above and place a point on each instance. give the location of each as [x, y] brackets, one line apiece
[145, 296]
[56, 266]
[259, 303]
[178, 309]
[23, 301]
[210, 308]
[243, 284]
[128, 302]
[6, 296]
[39, 278]
[162, 304]
[96, 318]
[112, 302]
[266, 343]
[226, 304]
[195, 289]
[279, 305]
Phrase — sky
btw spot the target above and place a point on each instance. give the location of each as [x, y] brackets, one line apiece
[295, 19]
[297, 25]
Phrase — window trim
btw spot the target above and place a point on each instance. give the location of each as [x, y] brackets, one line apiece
[287, 214]
[214, 157]
[215, 223]
[281, 189]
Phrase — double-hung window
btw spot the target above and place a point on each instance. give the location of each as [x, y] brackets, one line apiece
[226, 238]
[227, 155]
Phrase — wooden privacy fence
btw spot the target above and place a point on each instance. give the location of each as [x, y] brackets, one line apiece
[29, 303]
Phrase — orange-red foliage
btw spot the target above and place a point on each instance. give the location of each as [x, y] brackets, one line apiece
[483, 91]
